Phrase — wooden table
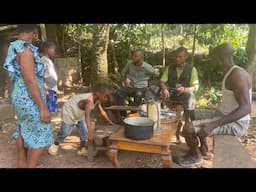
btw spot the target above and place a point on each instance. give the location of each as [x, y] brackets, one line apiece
[159, 144]
[118, 108]
[123, 108]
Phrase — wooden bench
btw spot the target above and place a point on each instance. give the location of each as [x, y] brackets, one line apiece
[230, 153]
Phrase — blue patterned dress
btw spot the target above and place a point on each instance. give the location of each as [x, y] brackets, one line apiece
[35, 133]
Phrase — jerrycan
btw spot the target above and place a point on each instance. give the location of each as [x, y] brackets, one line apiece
[153, 113]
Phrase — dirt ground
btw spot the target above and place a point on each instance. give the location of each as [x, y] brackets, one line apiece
[67, 157]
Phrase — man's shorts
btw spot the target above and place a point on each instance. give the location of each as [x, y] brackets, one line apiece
[188, 100]
[238, 128]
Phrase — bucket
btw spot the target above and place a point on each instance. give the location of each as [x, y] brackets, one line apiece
[133, 115]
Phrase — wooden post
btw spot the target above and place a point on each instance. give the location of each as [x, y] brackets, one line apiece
[90, 151]
[163, 44]
[194, 45]
[80, 63]
[43, 32]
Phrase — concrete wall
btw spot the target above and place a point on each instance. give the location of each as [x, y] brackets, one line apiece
[69, 71]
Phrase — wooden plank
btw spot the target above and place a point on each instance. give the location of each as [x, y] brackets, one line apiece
[161, 137]
[131, 146]
[230, 153]
[123, 108]
[108, 127]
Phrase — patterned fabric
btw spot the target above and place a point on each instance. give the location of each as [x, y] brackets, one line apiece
[52, 101]
[35, 133]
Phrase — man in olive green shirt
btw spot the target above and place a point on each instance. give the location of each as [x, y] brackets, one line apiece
[181, 82]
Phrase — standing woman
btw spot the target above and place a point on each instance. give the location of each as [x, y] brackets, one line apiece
[50, 75]
[34, 131]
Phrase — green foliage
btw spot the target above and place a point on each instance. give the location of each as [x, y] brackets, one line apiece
[240, 57]
[81, 33]
[206, 97]
[208, 74]
[213, 95]
[123, 38]
[211, 35]
[127, 37]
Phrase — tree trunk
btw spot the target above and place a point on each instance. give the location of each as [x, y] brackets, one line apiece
[51, 32]
[114, 64]
[52, 35]
[99, 64]
[251, 52]
[194, 45]
[61, 39]
[163, 44]
[43, 32]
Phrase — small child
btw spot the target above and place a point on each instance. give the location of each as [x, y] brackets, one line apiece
[50, 75]
[82, 110]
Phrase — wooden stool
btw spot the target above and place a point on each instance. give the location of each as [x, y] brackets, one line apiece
[102, 134]
[177, 106]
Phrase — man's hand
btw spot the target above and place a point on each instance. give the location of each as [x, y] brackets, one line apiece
[181, 90]
[146, 88]
[165, 93]
[127, 82]
[206, 129]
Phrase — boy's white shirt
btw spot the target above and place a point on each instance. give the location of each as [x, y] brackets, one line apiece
[49, 72]
[70, 112]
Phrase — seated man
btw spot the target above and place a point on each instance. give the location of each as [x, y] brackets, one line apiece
[182, 82]
[233, 118]
[135, 74]
[80, 110]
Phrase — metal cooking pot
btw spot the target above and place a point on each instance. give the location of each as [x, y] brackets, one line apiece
[138, 128]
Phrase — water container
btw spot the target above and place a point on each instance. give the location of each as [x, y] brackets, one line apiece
[153, 112]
